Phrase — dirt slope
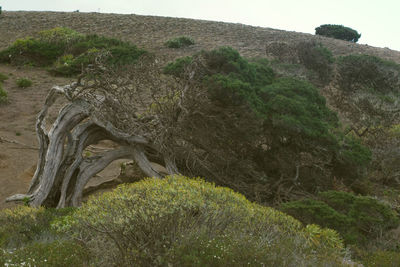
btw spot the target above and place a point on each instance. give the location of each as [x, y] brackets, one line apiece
[17, 119]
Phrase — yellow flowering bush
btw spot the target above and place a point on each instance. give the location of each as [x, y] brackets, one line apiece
[189, 222]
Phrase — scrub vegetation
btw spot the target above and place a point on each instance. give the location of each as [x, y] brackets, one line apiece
[298, 154]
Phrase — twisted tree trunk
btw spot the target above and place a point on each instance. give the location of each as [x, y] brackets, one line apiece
[62, 171]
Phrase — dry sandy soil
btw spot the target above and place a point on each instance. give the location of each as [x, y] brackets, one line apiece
[17, 119]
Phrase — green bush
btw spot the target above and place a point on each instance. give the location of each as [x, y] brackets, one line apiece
[66, 52]
[24, 82]
[338, 32]
[31, 51]
[188, 222]
[357, 218]
[22, 225]
[291, 113]
[177, 68]
[3, 95]
[368, 73]
[179, 42]
[351, 159]
[295, 108]
[3, 77]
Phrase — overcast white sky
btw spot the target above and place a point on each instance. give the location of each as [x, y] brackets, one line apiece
[377, 21]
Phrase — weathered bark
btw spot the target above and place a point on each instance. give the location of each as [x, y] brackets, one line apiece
[62, 171]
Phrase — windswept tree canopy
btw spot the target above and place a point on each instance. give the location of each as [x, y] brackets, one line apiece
[338, 32]
[218, 116]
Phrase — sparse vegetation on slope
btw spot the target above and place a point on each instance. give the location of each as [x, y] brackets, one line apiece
[67, 52]
[269, 136]
[179, 42]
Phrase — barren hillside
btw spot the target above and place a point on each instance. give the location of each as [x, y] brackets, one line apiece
[151, 32]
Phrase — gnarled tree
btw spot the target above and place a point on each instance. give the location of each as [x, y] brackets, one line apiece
[104, 104]
[217, 116]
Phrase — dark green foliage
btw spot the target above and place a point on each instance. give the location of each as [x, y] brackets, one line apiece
[338, 200]
[338, 32]
[66, 52]
[232, 80]
[24, 82]
[296, 108]
[357, 218]
[177, 68]
[179, 42]
[372, 217]
[287, 116]
[368, 73]
[354, 153]
[317, 58]
[32, 51]
[351, 159]
[289, 105]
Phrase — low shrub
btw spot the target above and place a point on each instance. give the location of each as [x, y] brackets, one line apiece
[3, 95]
[3, 77]
[24, 82]
[351, 159]
[188, 222]
[66, 52]
[357, 218]
[179, 42]
[317, 58]
[338, 32]
[368, 73]
[22, 225]
[31, 51]
[177, 67]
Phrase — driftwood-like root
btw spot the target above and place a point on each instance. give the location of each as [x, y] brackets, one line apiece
[62, 171]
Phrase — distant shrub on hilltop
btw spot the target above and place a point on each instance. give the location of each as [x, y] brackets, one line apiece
[338, 32]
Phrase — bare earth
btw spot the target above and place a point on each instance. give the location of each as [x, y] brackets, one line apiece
[17, 119]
